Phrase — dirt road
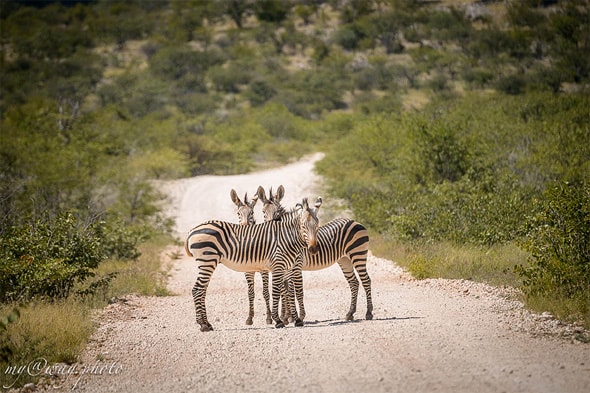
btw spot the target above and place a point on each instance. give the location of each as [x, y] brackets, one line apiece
[433, 335]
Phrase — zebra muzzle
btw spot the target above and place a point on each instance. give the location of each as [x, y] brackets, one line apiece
[313, 248]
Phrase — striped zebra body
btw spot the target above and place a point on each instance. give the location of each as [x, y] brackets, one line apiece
[341, 241]
[270, 246]
[345, 242]
[245, 214]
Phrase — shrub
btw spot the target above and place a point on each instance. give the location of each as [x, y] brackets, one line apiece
[228, 79]
[478, 78]
[6, 350]
[120, 241]
[511, 84]
[174, 63]
[46, 258]
[260, 91]
[558, 241]
[271, 10]
[346, 37]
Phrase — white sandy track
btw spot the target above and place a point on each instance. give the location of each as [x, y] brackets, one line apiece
[427, 336]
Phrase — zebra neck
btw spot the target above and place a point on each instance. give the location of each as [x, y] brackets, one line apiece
[283, 215]
[290, 221]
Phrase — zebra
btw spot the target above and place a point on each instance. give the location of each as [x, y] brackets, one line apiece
[342, 240]
[272, 245]
[246, 217]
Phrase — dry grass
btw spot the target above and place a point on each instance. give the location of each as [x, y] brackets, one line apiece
[145, 277]
[57, 331]
[492, 265]
[567, 309]
[46, 332]
[415, 99]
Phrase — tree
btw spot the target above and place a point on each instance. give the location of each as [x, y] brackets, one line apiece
[271, 10]
[237, 10]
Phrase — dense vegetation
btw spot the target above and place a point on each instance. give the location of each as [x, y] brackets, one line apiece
[446, 125]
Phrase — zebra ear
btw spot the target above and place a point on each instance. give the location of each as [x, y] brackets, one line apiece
[318, 203]
[253, 201]
[261, 194]
[304, 204]
[235, 198]
[280, 193]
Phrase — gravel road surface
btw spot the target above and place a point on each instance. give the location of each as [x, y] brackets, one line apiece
[427, 336]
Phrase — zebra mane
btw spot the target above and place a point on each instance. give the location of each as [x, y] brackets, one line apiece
[282, 212]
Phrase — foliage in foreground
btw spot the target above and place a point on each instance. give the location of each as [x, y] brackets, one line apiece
[474, 174]
[56, 331]
[558, 241]
[48, 258]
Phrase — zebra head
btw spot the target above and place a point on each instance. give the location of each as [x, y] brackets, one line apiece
[271, 207]
[245, 209]
[309, 223]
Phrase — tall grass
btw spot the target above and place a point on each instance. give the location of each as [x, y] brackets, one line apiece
[45, 334]
[58, 331]
[146, 276]
[492, 265]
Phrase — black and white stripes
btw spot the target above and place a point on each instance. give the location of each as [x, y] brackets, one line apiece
[272, 245]
[342, 240]
[245, 214]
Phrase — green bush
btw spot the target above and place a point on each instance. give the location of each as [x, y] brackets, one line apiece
[271, 10]
[558, 241]
[511, 84]
[346, 37]
[477, 77]
[47, 258]
[119, 241]
[174, 63]
[260, 92]
[228, 79]
[464, 173]
[6, 350]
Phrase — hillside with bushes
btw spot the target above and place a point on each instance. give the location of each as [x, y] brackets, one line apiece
[457, 131]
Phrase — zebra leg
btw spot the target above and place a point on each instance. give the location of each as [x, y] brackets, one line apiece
[250, 281]
[366, 280]
[285, 309]
[348, 270]
[199, 294]
[277, 286]
[297, 278]
[290, 307]
[286, 296]
[266, 295]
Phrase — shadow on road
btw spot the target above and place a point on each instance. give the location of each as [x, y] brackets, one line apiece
[334, 322]
[330, 322]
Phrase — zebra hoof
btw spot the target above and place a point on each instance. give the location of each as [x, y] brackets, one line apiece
[280, 325]
[369, 316]
[249, 321]
[350, 317]
[206, 328]
[299, 323]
